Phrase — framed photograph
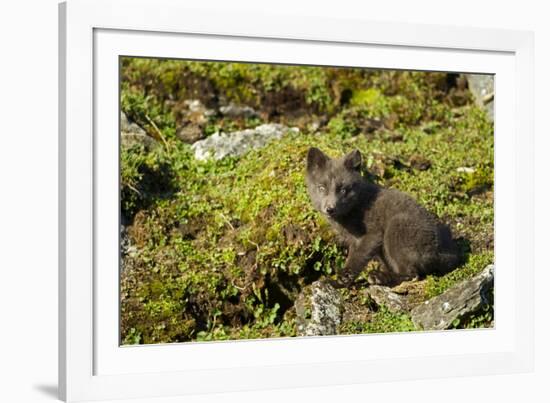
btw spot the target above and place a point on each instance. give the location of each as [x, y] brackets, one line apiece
[246, 207]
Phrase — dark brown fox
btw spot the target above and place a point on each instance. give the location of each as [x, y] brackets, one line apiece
[375, 222]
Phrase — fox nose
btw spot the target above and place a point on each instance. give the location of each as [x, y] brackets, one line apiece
[329, 210]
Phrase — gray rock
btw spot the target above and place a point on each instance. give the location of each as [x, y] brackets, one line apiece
[127, 250]
[190, 133]
[482, 87]
[124, 240]
[314, 126]
[126, 126]
[195, 106]
[221, 145]
[466, 170]
[458, 302]
[190, 128]
[238, 111]
[131, 133]
[382, 295]
[318, 310]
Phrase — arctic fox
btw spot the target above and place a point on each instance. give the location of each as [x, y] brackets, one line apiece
[375, 222]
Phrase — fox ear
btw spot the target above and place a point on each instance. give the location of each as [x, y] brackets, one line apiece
[316, 159]
[353, 160]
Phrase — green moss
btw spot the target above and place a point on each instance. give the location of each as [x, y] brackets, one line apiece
[382, 321]
[371, 97]
[148, 111]
[481, 179]
[344, 128]
[145, 177]
[149, 84]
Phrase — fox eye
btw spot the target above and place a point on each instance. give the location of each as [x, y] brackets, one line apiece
[321, 188]
[343, 191]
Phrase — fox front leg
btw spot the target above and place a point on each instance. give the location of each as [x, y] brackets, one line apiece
[358, 257]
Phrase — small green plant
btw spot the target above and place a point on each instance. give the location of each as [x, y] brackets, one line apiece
[343, 128]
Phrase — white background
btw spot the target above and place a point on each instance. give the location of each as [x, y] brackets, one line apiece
[28, 200]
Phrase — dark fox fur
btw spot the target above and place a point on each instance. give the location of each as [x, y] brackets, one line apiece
[375, 222]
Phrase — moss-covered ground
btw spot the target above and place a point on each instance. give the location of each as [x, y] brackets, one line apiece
[221, 249]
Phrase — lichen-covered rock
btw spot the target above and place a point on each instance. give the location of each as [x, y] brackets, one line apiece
[195, 117]
[455, 304]
[318, 310]
[482, 86]
[196, 106]
[221, 145]
[128, 251]
[131, 133]
[190, 133]
[238, 111]
[382, 295]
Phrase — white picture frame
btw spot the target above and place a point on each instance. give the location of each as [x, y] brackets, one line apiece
[92, 365]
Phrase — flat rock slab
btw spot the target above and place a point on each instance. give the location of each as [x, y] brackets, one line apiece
[456, 303]
[238, 111]
[318, 310]
[221, 145]
[382, 295]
